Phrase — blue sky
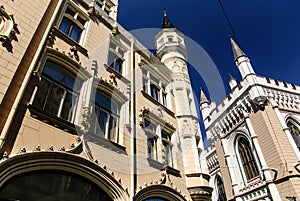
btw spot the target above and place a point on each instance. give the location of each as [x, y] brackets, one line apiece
[267, 31]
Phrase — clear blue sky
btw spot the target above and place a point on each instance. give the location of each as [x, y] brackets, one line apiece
[267, 31]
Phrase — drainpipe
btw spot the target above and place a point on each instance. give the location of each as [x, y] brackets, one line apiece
[266, 171]
[133, 182]
[285, 128]
[13, 110]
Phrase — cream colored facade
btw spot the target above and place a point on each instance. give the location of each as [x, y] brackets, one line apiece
[88, 113]
[254, 137]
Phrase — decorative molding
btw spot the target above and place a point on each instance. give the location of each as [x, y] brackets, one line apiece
[9, 31]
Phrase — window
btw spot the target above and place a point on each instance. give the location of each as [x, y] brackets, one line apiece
[167, 146]
[295, 132]
[106, 116]
[154, 87]
[105, 5]
[170, 39]
[247, 159]
[116, 57]
[150, 130]
[220, 189]
[58, 92]
[72, 24]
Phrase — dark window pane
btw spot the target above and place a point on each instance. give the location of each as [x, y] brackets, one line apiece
[82, 21]
[41, 94]
[102, 123]
[54, 102]
[70, 12]
[65, 25]
[112, 128]
[69, 106]
[75, 33]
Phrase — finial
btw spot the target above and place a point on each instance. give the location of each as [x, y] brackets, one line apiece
[165, 11]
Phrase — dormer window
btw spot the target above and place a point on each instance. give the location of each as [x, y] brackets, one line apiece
[73, 24]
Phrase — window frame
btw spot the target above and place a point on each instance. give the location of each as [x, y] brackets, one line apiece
[97, 109]
[168, 147]
[74, 20]
[155, 88]
[151, 134]
[117, 52]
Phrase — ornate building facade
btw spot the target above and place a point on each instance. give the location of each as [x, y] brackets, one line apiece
[88, 113]
[254, 137]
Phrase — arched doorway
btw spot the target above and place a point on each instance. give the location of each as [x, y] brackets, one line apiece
[52, 185]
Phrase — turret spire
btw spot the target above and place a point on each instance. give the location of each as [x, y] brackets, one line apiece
[237, 51]
[166, 22]
[241, 60]
[203, 98]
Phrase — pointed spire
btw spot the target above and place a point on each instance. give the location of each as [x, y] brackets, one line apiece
[237, 52]
[166, 23]
[203, 98]
[230, 77]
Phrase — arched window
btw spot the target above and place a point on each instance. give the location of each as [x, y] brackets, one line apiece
[247, 158]
[220, 189]
[58, 92]
[295, 131]
[52, 185]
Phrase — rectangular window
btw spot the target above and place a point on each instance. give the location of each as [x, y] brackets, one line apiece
[72, 24]
[152, 146]
[167, 148]
[106, 117]
[116, 57]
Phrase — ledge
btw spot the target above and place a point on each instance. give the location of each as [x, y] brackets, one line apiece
[172, 171]
[68, 40]
[52, 120]
[116, 73]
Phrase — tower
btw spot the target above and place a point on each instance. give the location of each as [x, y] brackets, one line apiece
[172, 51]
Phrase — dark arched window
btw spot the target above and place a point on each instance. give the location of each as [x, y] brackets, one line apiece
[52, 186]
[221, 189]
[247, 159]
[295, 132]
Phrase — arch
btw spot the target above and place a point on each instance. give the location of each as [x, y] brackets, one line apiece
[294, 127]
[159, 191]
[61, 161]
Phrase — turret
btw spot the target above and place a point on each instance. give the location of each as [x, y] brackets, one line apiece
[241, 60]
[169, 42]
[232, 81]
[172, 52]
[204, 105]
